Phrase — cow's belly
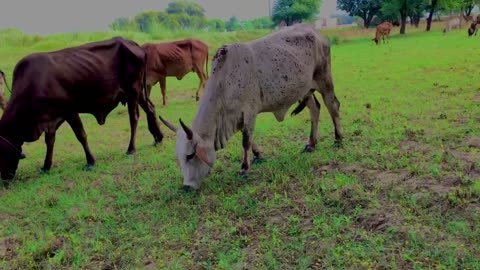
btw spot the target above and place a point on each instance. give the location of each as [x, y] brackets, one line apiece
[178, 71]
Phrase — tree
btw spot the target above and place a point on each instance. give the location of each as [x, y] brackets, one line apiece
[258, 23]
[468, 6]
[405, 8]
[185, 7]
[233, 24]
[145, 20]
[293, 11]
[216, 25]
[365, 9]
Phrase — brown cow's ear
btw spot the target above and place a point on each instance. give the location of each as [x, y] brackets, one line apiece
[202, 155]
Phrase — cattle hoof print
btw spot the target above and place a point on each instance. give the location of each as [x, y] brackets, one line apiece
[258, 160]
[308, 149]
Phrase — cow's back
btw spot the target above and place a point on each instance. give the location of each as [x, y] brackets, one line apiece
[265, 70]
[168, 58]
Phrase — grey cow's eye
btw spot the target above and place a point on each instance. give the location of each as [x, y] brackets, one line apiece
[189, 157]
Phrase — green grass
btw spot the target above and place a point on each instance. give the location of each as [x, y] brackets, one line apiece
[402, 193]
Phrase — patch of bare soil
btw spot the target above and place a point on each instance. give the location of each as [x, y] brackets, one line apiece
[8, 248]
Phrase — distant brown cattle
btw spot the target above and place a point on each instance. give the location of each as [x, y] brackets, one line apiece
[53, 87]
[473, 29]
[3, 99]
[452, 23]
[176, 59]
[383, 30]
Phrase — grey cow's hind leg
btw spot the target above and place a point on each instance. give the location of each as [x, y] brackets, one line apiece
[314, 107]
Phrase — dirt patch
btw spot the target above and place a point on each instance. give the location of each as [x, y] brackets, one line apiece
[8, 248]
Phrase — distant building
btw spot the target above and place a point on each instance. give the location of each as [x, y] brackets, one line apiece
[328, 16]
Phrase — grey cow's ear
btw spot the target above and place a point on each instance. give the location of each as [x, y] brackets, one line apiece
[187, 130]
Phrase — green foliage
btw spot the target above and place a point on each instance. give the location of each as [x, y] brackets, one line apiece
[365, 9]
[233, 24]
[259, 23]
[216, 25]
[185, 7]
[292, 11]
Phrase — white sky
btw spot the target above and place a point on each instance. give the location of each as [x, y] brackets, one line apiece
[50, 16]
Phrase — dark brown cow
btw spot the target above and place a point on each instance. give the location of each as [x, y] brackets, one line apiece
[176, 59]
[383, 30]
[53, 87]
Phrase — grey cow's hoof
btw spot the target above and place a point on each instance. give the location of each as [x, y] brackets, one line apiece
[188, 189]
[258, 160]
[308, 149]
[243, 174]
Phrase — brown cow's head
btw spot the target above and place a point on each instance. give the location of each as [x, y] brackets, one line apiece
[194, 156]
[376, 40]
[9, 158]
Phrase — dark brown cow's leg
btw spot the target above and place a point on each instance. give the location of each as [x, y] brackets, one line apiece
[50, 142]
[133, 115]
[153, 124]
[333, 106]
[76, 124]
[314, 107]
[163, 87]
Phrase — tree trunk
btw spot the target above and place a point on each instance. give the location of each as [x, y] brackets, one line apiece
[430, 15]
[403, 17]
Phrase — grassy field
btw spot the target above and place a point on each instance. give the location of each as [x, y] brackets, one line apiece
[402, 193]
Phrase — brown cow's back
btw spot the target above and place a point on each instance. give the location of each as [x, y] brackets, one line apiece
[176, 59]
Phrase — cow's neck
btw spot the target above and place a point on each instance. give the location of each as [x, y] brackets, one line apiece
[213, 124]
[7, 132]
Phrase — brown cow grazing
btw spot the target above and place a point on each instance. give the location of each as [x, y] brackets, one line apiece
[53, 87]
[383, 30]
[3, 99]
[176, 59]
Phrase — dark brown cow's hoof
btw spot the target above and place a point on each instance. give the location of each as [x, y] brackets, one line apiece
[197, 98]
[243, 174]
[44, 170]
[338, 144]
[257, 160]
[308, 149]
[130, 152]
[89, 167]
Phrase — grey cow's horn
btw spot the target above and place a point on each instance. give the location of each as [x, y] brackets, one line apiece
[187, 130]
[168, 124]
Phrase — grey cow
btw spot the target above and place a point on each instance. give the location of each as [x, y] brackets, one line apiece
[265, 75]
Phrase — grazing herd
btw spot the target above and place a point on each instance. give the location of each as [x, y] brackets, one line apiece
[266, 75]
[383, 30]
[269, 74]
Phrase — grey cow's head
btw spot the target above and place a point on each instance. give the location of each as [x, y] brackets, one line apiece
[194, 156]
